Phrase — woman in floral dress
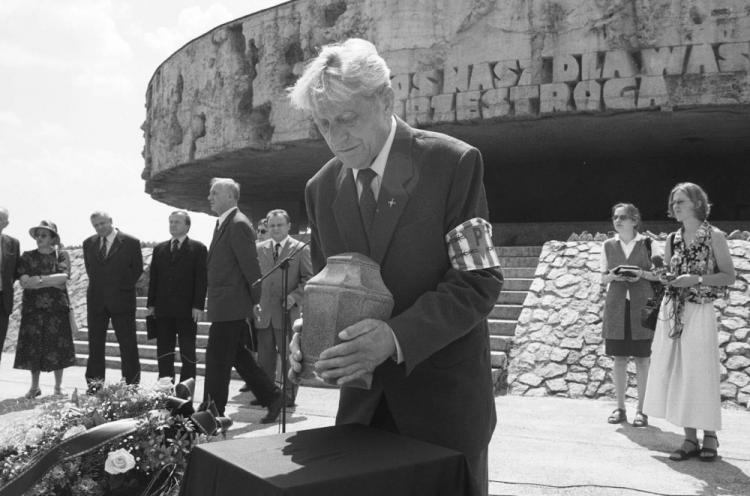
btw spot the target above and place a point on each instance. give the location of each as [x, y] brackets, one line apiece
[684, 379]
[45, 340]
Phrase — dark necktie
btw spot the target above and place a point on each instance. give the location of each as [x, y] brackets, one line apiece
[367, 204]
[276, 250]
[103, 248]
[175, 247]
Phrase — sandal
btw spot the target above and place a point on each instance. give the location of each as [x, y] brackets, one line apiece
[640, 420]
[709, 454]
[33, 393]
[618, 415]
[681, 454]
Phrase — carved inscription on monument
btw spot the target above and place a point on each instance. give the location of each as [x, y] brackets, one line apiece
[615, 80]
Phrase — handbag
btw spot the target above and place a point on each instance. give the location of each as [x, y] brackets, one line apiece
[650, 312]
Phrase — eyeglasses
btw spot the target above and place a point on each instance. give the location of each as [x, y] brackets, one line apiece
[262, 231]
[621, 217]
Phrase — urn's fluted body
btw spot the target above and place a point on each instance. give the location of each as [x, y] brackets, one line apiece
[347, 290]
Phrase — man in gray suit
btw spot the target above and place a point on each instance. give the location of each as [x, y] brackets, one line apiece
[232, 270]
[268, 314]
[9, 255]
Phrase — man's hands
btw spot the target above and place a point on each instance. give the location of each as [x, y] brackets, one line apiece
[365, 345]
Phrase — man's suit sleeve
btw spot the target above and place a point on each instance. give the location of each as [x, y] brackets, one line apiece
[317, 259]
[201, 273]
[463, 299]
[152, 278]
[136, 261]
[305, 273]
[243, 245]
[86, 261]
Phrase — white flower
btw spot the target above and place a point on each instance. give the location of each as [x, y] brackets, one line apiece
[119, 462]
[74, 431]
[33, 436]
[164, 385]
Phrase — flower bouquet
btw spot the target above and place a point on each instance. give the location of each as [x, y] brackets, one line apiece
[125, 440]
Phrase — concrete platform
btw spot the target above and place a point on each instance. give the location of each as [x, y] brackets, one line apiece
[541, 446]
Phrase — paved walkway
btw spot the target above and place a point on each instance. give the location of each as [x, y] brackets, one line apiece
[541, 446]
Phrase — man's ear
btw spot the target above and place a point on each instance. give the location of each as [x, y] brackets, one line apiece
[388, 98]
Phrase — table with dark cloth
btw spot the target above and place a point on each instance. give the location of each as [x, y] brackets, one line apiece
[341, 460]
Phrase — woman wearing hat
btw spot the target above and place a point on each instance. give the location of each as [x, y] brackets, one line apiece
[45, 340]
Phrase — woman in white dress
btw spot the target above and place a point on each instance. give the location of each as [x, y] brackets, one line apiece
[684, 378]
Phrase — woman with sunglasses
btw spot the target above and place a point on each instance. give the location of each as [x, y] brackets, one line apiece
[45, 340]
[626, 272]
[684, 381]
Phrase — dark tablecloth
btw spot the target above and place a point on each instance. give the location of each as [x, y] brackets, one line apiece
[340, 460]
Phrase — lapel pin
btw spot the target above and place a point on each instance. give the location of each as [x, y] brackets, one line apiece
[391, 202]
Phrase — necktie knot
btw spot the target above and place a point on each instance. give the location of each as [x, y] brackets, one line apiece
[276, 250]
[103, 247]
[175, 245]
[365, 177]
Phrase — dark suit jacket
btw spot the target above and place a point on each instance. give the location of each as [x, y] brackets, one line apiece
[11, 255]
[177, 286]
[232, 269]
[112, 279]
[300, 270]
[442, 393]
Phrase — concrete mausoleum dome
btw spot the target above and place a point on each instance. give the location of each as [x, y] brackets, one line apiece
[575, 105]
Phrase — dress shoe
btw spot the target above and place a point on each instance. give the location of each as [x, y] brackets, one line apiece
[245, 389]
[255, 402]
[273, 409]
[290, 403]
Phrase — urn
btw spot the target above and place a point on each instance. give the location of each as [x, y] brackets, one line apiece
[348, 290]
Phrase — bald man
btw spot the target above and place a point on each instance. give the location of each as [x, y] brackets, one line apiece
[9, 253]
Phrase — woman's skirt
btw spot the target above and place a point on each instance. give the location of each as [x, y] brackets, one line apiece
[628, 347]
[684, 378]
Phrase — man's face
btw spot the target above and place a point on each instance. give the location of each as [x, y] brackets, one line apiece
[355, 130]
[3, 220]
[220, 199]
[178, 225]
[102, 225]
[278, 227]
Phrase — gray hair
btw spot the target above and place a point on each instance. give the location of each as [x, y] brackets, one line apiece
[100, 213]
[280, 212]
[339, 72]
[229, 183]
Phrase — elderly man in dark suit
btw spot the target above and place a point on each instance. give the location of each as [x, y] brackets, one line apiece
[232, 270]
[9, 255]
[268, 314]
[393, 193]
[177, 295]
[113, 263]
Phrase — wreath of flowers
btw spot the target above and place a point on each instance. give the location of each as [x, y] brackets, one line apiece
[150, 460]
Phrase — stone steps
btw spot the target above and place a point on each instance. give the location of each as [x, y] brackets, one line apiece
[147, 365]
[519, 265]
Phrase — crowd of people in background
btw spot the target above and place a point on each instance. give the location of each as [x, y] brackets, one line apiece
[181, 273]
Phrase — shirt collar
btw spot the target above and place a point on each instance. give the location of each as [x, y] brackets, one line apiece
[111, 236]
[378, 165]
[224, 216]
[282, 242]
[180, 239]
[638, 236]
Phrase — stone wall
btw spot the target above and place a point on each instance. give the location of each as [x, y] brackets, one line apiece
[559, 350]
[77, 285]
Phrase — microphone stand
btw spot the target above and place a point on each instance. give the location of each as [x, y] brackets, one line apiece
[284, 266]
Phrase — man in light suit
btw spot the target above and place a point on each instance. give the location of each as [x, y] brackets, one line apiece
[113, 263]
[268, 314]
[232, 270]
[393, 192]
[9, 256]
[177, 294]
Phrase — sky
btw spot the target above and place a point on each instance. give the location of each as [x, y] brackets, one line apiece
[73, 79]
